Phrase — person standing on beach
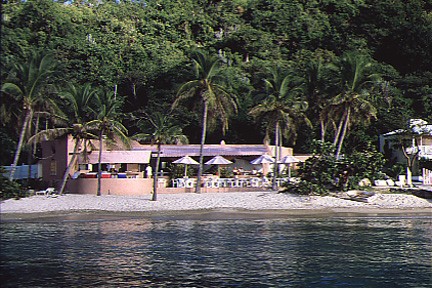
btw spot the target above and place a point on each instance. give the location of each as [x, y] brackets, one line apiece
[149, 171]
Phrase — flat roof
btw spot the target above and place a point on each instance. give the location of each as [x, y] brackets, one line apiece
[208, 150]
[123, 156]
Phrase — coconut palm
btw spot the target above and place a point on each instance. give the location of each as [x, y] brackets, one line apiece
[107, 125]
[316, 84]
[212, 95]
[164, 132]
[281, 109]
[75, 115]
[356, 79]
[28, 80]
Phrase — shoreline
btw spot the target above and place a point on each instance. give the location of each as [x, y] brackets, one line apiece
[211, 215]
[208, 206]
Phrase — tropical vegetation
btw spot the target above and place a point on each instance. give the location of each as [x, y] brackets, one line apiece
[162, 131]
[351, 69]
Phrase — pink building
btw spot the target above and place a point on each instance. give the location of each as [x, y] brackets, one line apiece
[127, 172]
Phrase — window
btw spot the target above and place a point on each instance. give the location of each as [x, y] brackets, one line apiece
[53, 167]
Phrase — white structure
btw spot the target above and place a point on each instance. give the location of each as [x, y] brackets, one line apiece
[416, 139]
[418, 132]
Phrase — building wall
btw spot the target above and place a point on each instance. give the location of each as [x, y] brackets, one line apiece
[54, 161]
[111, 186]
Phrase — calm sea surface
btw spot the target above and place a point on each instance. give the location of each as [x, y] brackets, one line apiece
[293, 252]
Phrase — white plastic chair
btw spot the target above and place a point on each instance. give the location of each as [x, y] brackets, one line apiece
[190, 183]
[255, 182]
[208, 183]
[180, 183]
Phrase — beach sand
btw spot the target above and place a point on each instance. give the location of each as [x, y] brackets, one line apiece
[238, 205]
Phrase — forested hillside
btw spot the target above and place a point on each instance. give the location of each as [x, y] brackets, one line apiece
[339, 70]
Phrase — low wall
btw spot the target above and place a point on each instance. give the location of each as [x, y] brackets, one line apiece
[111, 186]
[170, 190]
[137, 187]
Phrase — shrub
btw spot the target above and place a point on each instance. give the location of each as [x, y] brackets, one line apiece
[9, 189]
[322, 173]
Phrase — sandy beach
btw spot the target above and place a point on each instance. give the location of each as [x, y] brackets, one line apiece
[255, 204]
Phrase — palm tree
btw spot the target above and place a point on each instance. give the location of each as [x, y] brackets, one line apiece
[356, 79]
[164, 132]
[215, 99]
[280, 110]
[77, 101]
[316, 84]
[107, 125]
[28, 80]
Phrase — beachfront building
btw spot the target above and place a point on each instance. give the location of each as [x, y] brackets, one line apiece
[130, 171]
[416, 139]
[410, 145]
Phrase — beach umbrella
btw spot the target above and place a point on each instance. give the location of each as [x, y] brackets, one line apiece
[263, 159]
[289, 160]
[218, 160]
[186, 160]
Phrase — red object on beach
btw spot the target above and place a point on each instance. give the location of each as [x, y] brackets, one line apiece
[106, 175]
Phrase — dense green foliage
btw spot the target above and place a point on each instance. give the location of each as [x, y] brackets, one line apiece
[321, 173]
[141, 51]
[9, 189]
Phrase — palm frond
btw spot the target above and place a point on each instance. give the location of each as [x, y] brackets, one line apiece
[48, 134]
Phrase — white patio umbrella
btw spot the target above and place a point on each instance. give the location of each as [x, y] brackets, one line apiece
[263, 159]
[289, 160]
[218, 160]
[186, 160]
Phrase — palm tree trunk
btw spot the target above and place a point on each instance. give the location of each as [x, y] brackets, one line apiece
[280, 142]
[410, 164]
[201, 156]
[32, 149]
[20, 144]
[275, 165]
[69, 166]
[155, 176]
[336, 139]
[345, 128]
[323, 130]
[99, 180]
